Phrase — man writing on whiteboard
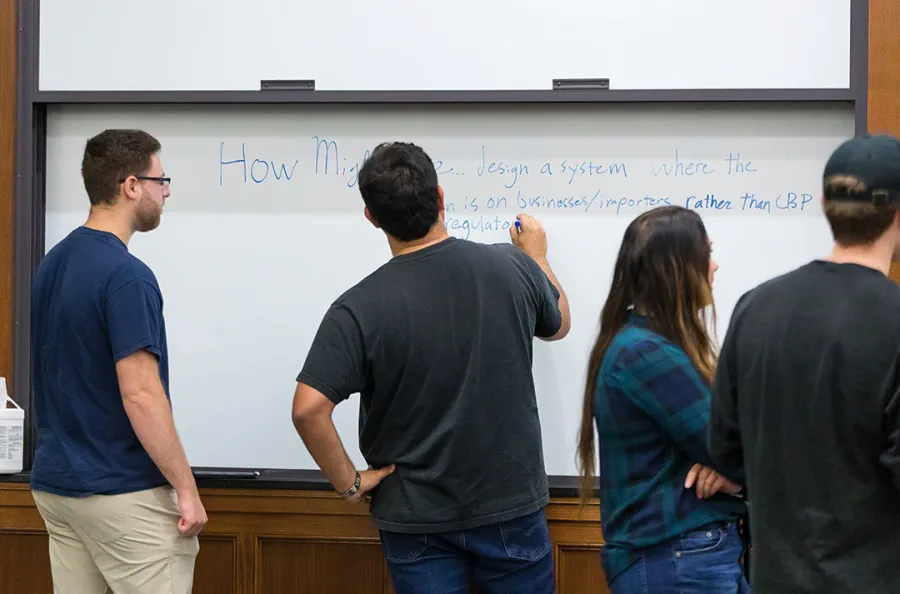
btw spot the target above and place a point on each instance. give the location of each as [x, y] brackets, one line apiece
[438, 342]
[807, 395]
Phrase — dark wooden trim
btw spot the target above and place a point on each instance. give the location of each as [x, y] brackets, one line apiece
[8, 86]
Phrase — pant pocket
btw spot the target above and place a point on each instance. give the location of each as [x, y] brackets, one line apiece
[697, 542]
[403, 548]
[526, 538]
[105, 519]
[706, 563]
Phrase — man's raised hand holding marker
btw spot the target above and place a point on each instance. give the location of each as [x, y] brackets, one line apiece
[529, 236]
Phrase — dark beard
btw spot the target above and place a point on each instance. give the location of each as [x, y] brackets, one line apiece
[146, 220]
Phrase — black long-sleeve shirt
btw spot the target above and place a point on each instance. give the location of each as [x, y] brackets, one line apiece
[807, 399]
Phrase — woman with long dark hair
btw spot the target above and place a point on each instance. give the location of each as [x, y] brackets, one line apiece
[668, 518]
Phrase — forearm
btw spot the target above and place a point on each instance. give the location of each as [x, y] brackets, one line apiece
[324, 444]
[151, 418]
[563, 302]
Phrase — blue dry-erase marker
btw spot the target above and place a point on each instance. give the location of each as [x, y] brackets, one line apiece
[519, 226]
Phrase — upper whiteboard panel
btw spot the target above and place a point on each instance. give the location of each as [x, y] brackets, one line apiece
[103, 45]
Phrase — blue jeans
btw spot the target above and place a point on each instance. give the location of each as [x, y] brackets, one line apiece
[704, 561]
[513, 556]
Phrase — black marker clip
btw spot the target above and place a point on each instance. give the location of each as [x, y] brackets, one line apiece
[580, 84]
[287, 85]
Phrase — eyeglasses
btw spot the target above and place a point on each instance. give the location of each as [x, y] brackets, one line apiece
[163, 181]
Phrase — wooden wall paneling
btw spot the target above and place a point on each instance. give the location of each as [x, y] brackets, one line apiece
[577, 542]
[293, 541]
[217, 570]
[579, 572]
[24, 562]
[247, 556]
[894, 272]
[24, 555]
[884, 75]
[884, 67]
[321, 565]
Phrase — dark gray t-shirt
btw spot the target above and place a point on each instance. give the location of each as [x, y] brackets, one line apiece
[438, 343]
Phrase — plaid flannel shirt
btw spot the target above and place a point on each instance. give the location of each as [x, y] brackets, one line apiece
[651, 409]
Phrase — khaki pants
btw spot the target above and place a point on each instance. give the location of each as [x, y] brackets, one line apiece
[118, 543]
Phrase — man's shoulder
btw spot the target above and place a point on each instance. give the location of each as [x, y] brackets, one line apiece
[366, 289]
[127, 268]
[503, 252]
[137, 268]
[813, 280]
[389, 274]
[774, 288]
[781, 281]
[485, 253]
[93, 260]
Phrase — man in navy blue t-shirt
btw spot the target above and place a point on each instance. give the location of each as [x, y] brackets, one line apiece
[110, 476]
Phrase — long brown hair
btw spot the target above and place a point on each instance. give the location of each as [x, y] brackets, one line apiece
[662, 269]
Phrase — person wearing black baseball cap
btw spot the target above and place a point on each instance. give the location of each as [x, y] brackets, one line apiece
[807, 395]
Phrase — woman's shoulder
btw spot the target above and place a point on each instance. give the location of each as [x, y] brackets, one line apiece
[638, 349]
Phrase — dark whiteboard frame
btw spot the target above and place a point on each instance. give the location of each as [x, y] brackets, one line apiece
[31, 158]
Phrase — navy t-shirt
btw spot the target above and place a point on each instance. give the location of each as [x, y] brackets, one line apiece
[92, 304]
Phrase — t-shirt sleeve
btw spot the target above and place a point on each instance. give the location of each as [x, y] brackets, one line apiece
[549, 318]
[134, 317]
[335, 364]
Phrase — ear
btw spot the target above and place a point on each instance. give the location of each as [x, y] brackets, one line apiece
[370, 219]
[129, 188]
[440, 199]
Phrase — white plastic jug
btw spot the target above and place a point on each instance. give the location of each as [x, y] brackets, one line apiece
[12, 433]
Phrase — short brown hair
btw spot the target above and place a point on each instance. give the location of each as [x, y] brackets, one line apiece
[110, 157]
[854, 223]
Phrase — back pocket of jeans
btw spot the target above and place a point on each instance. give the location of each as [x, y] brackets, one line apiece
[403, 548]
[526, 538]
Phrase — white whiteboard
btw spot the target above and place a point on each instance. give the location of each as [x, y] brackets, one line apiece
[461, 45]
[248, 269]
